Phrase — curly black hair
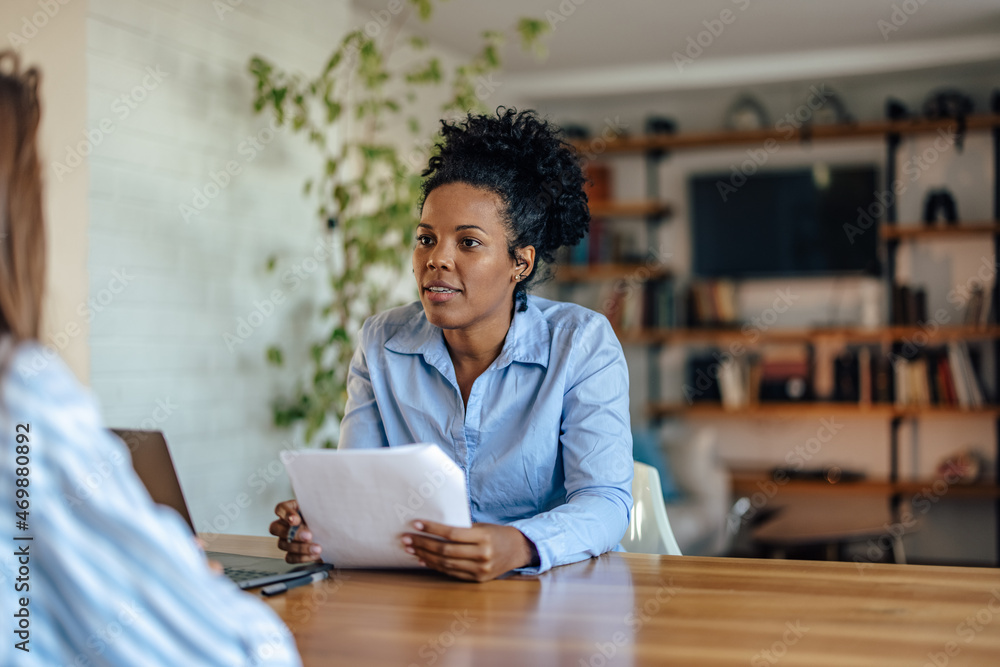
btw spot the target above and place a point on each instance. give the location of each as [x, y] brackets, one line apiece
[537, 176]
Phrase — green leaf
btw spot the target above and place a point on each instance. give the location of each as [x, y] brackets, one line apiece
[274, 356]
[424, 8]
[271, 262]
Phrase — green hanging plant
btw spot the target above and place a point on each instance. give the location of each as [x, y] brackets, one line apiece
[366, 190]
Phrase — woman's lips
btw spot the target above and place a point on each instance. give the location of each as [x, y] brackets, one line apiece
[436, 295]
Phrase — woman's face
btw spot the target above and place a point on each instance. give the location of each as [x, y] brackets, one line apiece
[464, 272]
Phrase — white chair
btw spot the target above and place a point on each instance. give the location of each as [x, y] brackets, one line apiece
[649, 530]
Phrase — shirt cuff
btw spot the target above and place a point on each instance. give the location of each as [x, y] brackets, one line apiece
[537, 537]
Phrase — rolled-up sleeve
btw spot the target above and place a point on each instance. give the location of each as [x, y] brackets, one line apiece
[596, 444]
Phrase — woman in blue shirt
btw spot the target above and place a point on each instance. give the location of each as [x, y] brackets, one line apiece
[528, 396]
[94, 572]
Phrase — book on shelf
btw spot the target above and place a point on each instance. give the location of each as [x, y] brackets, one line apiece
[909, 304]
[712, 303]
[943, 376]
[979, 308]
[636, 306]
[604, 243]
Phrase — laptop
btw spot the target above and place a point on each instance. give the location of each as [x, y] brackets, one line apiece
[152, 462]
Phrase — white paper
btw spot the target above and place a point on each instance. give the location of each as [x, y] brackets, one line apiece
[359, 502]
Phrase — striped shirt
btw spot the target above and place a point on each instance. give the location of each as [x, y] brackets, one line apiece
[104, 576]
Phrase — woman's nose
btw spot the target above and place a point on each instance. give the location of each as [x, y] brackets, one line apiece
[440, 258]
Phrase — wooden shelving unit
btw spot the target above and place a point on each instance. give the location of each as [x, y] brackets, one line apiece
[594, 272]
[748, 482]
[814, 409]
[655, 147]
[915, 231]
[726, 138]
[626, 209]
[855, 335]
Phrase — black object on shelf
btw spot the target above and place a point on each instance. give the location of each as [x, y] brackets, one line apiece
[660, 125]
[940, 203]
[574, 131]
[896, 110]
[909, 304]
[828, 474]
[950, 103]
[702, 381]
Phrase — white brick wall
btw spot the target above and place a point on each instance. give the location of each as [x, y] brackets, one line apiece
[157, 348]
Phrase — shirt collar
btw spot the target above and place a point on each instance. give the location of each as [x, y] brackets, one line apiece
[528, 339]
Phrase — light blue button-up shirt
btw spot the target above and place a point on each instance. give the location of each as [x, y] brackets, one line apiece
[107, 577]
[545, 441]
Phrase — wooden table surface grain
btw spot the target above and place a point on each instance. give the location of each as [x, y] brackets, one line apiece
[637, 609]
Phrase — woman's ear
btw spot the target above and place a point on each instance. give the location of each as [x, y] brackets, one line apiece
[524, 262]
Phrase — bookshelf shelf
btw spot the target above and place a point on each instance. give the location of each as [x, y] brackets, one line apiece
[914, 231]
[629, 209]
[816, 409]
[598, 272]
[724, 138]
[940, 355]
[753, 337]
[748, 482]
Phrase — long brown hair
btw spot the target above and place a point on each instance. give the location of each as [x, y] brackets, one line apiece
[22, 232]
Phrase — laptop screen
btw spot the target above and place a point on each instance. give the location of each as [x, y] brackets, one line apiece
[152, 462]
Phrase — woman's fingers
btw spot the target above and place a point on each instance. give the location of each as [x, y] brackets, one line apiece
[289, 511]
[300, 552]
[293, 535]
[418, 544]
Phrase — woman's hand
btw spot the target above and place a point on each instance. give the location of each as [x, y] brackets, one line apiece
[480, 553]
[290, 524]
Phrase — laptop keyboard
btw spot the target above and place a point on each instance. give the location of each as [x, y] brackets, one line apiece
[241, 574]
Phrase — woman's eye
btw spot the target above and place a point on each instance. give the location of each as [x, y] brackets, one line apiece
[470, 243]
[423, 240]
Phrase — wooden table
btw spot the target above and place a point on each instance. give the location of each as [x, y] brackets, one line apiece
[636, 609]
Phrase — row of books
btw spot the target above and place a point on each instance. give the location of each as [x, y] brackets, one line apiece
[939, 377]
[603, 244]
[642, 305]
[945, 376]
[712, 303]
[909, 305]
